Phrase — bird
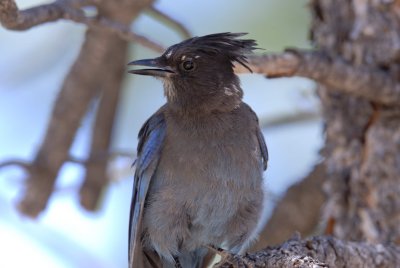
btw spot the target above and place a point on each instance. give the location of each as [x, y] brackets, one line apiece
[198, 181]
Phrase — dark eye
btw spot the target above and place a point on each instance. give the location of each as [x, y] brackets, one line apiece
[188, 65]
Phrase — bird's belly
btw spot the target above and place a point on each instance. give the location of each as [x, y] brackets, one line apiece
[212, 197]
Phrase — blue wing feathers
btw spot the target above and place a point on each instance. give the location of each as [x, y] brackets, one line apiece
[151, 138]
[150, 148]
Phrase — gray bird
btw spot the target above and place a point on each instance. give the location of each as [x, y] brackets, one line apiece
[199, 172]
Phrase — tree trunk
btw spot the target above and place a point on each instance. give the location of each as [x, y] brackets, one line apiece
[362, 136]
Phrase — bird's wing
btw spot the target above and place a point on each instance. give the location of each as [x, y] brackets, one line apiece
[263, 148]
[151, 138]
[260, 136]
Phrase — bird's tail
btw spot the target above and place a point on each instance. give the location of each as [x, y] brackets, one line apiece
[150, 259]
[145, 259]
[193, 259]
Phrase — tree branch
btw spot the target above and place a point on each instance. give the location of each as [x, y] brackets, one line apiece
[298, 117]
[96, 169]
[14, 19]
[81, 85]
[319, 251]
[121, 30]
[169, 20]
[15, 162]
[27, 165]
[79, 88]
[372, 84]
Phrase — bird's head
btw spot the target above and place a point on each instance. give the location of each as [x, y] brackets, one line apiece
[199, 71]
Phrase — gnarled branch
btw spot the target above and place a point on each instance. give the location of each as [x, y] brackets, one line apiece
[14, 19]
[81, 85]
[363, 81]
[320, 251]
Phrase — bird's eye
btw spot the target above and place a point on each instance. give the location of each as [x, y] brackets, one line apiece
[188, 65]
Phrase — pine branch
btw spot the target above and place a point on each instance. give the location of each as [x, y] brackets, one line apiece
[14, 19]
[363, 81]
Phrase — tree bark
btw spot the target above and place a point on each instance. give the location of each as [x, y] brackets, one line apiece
[357, 67]
[317, 252]
[362, 135]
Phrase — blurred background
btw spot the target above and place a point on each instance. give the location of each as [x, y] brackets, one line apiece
[33, 65]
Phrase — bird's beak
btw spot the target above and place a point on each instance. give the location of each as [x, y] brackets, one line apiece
[158, 69]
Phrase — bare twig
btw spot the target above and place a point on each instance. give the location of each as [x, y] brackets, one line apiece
[115, 154]
[302, 116]
[27, 165]
[369, 83]
[15, 162]
[14, 19]
[171, 21]
[120, 29]
[94, 157]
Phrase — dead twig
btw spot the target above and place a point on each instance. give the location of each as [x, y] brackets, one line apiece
[171, 21]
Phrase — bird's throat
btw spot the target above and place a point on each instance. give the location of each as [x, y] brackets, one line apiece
[222, 99]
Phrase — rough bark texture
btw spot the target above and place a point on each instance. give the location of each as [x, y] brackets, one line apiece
[362, 135]
[318, 252]
[357, 67]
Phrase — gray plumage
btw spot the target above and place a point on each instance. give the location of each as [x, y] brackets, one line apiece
[198, 179]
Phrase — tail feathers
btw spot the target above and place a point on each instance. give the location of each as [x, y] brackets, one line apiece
[193, 259]
[150, 259]
[145, 259]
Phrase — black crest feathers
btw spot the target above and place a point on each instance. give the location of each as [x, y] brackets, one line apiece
[226, 44]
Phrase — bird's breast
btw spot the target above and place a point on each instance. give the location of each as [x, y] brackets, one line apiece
[210, 170]
[219, 149]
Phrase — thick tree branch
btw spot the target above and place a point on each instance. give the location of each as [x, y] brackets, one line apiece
[14, 19]
[96, 169]
[81, 85]
[372, 84]
[79, 88]
[319, 251]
